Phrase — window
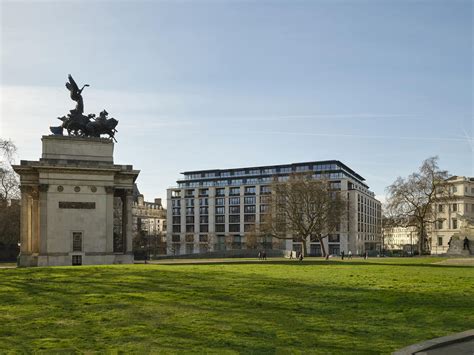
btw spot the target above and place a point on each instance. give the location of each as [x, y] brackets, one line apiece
[250, 190]
[76, 260]
[250, 200]
[249, 209]
[189, 210]
[220, 219]
[190, 228]
[176, 211]
[220, 210]
[440, 208]
[455, 223]
[189, 193]
[440, 241]
[176, 193]
[203, 238]
[234, 201]
[220, 201]
[234, 228]
[249, 227]
[175, 238]
[204, 228]
[203, 202]
[455, 207]
[249, 218]
[265, 189]
[264, 208]
[189, 202]
[234, 191]
[220, 192]
[220, 228]
[204, 219]
[177, 229]
[439, 224]
[455, 189]
[234, 219]
[176, 203]
[334, 238]
[190, 219]
[203, 210]
[285, 169]
[234, 209]
[203, 192]
[176, 219]
[76, 241]
[189, 238]
[265, 199]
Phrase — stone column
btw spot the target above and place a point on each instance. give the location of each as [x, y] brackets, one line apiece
[42, 217]
[35, 225]
[109, 211]
[128, 220]
[24, 220]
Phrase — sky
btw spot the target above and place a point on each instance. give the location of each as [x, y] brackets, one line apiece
[379, 85]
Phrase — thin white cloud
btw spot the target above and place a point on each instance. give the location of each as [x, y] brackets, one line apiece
[341, 135]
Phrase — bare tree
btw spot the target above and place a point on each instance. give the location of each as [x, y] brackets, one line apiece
[303, 207]
[412, 200]
[9, 202]
[9, 183]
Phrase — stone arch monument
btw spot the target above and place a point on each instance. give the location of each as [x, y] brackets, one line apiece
[76, 204]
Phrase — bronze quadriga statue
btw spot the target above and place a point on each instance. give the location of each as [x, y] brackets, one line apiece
[78, 124]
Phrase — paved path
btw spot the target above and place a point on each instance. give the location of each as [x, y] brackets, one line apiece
[459, 344]
[458, 261]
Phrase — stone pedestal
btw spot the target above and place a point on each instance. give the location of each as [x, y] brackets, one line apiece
[67, 211]
[456, 247]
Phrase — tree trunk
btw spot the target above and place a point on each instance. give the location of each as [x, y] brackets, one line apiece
[323, 250]
[304, 246]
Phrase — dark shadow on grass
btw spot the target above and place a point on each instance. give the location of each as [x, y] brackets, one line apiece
[307, 262]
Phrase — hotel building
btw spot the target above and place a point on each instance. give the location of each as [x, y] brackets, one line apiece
[214, 210]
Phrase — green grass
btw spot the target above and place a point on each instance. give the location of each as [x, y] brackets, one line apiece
[316, 306]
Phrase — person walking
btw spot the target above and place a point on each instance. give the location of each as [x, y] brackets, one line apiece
[349, 255]
[342, 255]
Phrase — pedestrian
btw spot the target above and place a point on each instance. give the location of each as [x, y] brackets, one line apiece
[264, 255]
[259, 255]
[366, 255]
[301, 256]
[342, 255]
[349, 255]
[291, 254]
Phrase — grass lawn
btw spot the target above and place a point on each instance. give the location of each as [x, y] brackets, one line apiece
[276, 306]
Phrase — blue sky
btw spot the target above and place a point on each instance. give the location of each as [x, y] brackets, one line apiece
[380, 85]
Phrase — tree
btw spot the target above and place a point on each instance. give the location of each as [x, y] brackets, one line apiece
[9, 202]
[411, 200]
[303, 207]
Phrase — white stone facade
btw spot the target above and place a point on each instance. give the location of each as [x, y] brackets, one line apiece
[76, 205]
[450, 216]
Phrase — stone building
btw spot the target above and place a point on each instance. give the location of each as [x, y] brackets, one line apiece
[218, 209]
[76, 204]
[149, 219]
[402, 239]
[451, 216]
